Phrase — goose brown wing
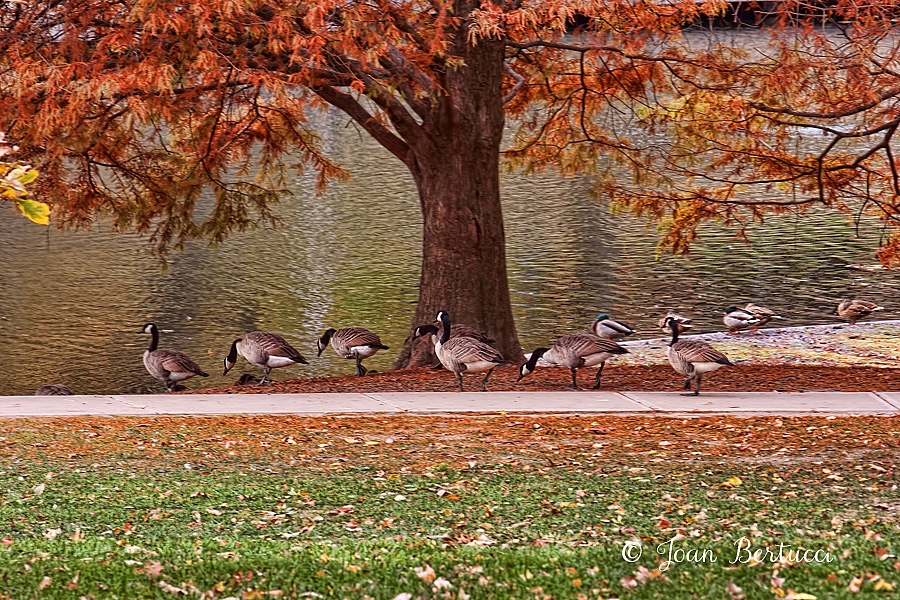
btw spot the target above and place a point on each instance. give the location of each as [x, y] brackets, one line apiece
[466, 349]
[272, 344]
[695, 351]
[463, 330]
[357, 336]
[585, 344]
[174, 361]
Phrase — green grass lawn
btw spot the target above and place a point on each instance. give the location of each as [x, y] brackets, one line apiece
[219, 508]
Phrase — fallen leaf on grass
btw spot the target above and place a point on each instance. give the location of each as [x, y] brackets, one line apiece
[172, 589]
[425, 573]
[440, 583]
[151, 569]
[734, 591]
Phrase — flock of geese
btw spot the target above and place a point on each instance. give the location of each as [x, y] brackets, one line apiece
[463, 349]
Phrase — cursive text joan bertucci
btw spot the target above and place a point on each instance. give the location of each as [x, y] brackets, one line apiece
[743, 553]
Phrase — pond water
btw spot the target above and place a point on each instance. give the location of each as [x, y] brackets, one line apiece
[72, 304]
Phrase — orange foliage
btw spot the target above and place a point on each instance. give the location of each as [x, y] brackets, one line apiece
[133, 107]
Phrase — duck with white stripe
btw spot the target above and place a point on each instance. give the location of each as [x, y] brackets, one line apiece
[738, 318]
[607, 328]
[355, 343]
[575, 351]
[465, 354]
[265, 350]
[169, 366]
[693, 358]
[762, 313]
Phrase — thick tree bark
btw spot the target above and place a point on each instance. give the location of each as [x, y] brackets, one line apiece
[456, 169]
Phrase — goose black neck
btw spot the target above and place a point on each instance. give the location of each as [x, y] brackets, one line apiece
[232, 354]
[673, 325]
[445, 335]
[423, 330]
[154, 339]
[535, 356]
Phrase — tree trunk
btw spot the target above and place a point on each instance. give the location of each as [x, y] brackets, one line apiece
[456, 169]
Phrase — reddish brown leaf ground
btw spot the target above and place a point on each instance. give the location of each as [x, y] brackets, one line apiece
[415, 443]
[744, 377]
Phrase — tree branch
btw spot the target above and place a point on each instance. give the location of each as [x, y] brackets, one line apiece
[837, 114]
[349, 105]
[520, 82]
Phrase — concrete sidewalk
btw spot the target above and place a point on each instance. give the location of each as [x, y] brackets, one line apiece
[568, 402]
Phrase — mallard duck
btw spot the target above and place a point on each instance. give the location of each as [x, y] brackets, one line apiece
[762, 313]
[353, 343]
[853, 310]
[684, 323]
[465, 354]
[575, 351]
[693, 358]
[737, 319]
[169, 366]
[607, 328]
[265, 350]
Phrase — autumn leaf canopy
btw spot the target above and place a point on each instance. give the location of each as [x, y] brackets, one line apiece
[133, 108]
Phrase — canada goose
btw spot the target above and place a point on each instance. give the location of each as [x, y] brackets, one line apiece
[53, 389]
[465, 354]
[684, 323]
[762, 313]
[737, 318]
[265, 350]
[574, 351]
[693, 358]
[853, 310]
[351, 343]
[456, 330]
[169, 366]
[605, 327]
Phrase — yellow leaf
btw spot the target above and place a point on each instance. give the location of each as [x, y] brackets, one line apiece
[27, 176]
[33, 210]
[802, 596]
[881, 584]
